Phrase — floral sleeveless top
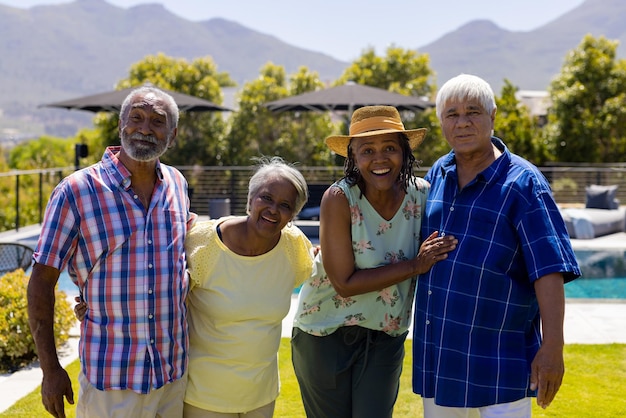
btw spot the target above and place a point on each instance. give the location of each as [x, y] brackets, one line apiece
[375, 242]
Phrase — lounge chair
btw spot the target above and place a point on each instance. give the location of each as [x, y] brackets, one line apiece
[14, 256]
[602, 214]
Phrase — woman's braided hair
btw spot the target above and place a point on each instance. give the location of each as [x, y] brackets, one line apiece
[352, 174]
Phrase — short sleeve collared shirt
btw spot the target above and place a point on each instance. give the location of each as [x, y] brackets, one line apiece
[476, 323]
[375, 242]
[129, 263]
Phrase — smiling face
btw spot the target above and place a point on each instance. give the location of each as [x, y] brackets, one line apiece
[379, 159]
[273, 206]
[467, 126]
[145, 132]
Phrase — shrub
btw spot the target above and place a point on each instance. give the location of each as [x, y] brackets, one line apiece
[16, 342]
[565, 189]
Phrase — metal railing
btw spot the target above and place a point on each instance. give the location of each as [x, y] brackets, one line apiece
[28, 191]
[24, 194]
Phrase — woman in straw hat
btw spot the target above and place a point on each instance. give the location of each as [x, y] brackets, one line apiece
[354, 312]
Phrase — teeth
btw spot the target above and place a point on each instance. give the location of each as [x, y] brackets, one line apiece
[383, 171]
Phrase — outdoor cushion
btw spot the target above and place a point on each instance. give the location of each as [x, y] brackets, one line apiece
[601, 197]
[592, 223]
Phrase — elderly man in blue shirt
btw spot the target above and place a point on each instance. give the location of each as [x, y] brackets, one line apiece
[488, 325]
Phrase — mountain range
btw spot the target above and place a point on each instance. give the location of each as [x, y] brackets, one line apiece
[57, 52]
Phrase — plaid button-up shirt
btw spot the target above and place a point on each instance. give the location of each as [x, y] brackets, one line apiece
[477, 324]
[129, 263]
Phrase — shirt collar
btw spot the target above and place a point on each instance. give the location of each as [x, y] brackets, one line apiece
[490, 174]
[117, 172]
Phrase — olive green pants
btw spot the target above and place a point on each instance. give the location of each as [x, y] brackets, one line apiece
[353, 372]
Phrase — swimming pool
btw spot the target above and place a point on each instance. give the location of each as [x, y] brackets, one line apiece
[603, 276]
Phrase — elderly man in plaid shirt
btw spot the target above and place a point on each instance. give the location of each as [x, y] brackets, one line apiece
[488, 325]
[119, 227]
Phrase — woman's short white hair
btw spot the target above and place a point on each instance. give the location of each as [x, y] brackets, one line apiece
[465, 87]
[269, 168]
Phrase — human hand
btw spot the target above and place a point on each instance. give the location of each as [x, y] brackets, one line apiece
[80, 309]
[54, 387]
[546, 374]
[433, 249]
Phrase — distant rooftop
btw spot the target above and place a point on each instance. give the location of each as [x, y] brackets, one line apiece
[537, 101]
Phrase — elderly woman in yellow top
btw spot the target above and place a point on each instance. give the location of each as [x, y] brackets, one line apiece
[243, 270]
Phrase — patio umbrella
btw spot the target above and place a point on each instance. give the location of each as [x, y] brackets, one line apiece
[112, 102]
[347, 97]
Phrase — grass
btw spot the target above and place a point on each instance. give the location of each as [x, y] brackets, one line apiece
[593, 386]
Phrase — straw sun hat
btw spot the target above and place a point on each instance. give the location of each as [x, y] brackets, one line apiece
[374, 120]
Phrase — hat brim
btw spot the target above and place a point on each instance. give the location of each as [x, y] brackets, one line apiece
[339, 143]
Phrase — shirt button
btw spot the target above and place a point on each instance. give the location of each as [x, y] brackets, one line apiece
[149, 291]
[135, 197]
[430, 292]
[150, 265]
[149, 241]
[427, 322]
[150, 316]
[452, 209]
[151, 341]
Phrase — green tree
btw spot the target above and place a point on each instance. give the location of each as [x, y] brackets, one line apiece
[4, 165]
[516, 127]
[587, 120]
[405, 72]
[434, 145]
[255, 130]
[200, 134]
[45, 152]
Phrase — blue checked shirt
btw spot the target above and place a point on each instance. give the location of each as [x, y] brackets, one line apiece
[476, 321]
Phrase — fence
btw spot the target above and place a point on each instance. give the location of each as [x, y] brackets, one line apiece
[24, 194]
[217, 184]
[209, 184]
[568, 182]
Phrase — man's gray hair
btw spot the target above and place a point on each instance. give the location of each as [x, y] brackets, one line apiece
[464, 87]
[170, 104]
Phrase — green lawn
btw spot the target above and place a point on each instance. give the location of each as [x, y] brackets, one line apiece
[594, 386]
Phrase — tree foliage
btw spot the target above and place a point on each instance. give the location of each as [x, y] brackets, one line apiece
[45, 152]
[256, 131]
[517, 128]
[200, 134]
[16, 342]
[403, 71]
[407, 72]
[587, 120]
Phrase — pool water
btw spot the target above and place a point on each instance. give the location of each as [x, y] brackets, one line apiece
[582, 288]
[596, 288]
[603, 277]
[65, 284]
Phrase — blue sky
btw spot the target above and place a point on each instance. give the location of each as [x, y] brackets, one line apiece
[343, 28]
